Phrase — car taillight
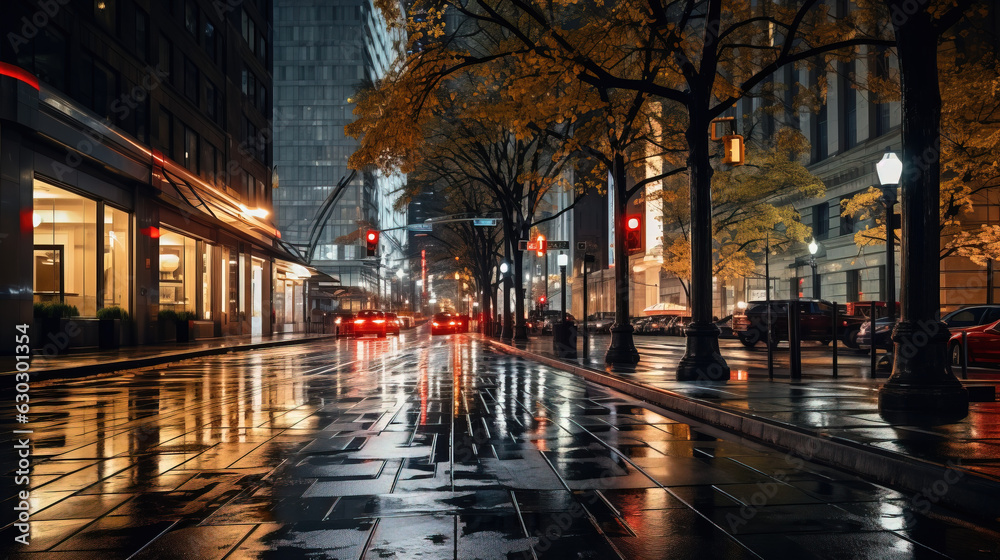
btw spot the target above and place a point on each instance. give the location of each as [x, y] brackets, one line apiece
[337, 321]
[378, 321]
[452, 323]
[435, 324]
[359, 321]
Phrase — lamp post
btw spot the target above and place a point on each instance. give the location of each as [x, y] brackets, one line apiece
[889, 169]
[563, 262]
[399, 296]
[507, 330]
[920, 383]
[813, 249]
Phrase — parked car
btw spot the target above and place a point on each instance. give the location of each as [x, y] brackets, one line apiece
[640, 325]
[983, 345]
[972, 316]
[815, 322]
[551, 317]
[883, 333]
[658, 324]
[856, 314]
[369, 321]
[601, 321]
[345, 323]
[463, 323]
[677, 326]
[392, 324]
[443, 323]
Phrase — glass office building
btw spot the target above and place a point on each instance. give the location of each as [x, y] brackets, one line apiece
[323, 52]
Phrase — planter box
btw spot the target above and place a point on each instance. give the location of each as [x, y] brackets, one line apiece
[166, 331]
[109, 334]
[184, 331]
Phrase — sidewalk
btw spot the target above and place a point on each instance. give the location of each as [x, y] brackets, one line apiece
[840, 414]
[76, 364]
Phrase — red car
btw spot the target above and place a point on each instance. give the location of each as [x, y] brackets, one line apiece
[370, 322]
[392, 323]
[984, 345]
[444, 323]
[345, 323]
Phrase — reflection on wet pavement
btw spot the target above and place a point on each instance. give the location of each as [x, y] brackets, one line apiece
[419, 448]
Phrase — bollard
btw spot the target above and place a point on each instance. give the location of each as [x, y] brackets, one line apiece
[874, 356]
[836, 326]
[794, 343]
[770, 345]
[965, 355]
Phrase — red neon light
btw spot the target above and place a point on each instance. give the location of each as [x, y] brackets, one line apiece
[18, 74]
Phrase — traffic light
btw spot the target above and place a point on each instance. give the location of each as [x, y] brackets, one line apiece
[633, 234]
[371, 238]
[541, 303]
[541, 245]
[733, 150]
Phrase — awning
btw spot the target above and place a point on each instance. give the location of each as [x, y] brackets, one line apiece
[664, 308]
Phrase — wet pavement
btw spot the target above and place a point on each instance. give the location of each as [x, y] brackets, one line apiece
[422, 447]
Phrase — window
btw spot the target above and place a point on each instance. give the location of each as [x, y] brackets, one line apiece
[821, 220]
[65, 267]
[116, 259]
[854, 285]
[190, 80]
[165, 62]
[165, 132]
[97, 85]
[879, 112]
[847, 223]
[208, 160]
[191, 17]
[190, 150]
[178, 276]
[141, 45]
[213, 102]
[848, 108]
[50, 56]
[104, 12]
[211, 45]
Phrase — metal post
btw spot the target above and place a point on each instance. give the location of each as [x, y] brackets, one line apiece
[836, 327]
[794, 344]
[874, 353]
[965, 355]
[586, 337]
[989, 281]
[767, 304]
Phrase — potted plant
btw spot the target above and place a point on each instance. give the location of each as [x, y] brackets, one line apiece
[184, 324]
[109, 328]
[48, 317]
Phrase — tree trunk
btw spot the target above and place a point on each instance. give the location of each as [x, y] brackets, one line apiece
[920, 381]
[702, 360]
[520, 323]
[622, 349]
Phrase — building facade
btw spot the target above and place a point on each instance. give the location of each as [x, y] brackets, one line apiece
[137, 167]
[323, 53]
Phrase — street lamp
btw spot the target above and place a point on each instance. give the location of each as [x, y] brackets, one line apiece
[507, 329]
[921, 385]
[889, 170]
[813, 249]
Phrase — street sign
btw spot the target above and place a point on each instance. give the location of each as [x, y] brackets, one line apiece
[420, 227]
[484, 222]
[557, 245]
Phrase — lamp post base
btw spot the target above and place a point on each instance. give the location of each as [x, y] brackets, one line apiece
[622, 349]
[521, 333]
[921, 382]
[702, 361]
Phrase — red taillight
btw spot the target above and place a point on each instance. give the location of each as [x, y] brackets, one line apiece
[337, 321]
[359, 321]
[452, 323]
[378, 321]
[436, 325]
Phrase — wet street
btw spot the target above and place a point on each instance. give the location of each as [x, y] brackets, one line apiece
[420, 447]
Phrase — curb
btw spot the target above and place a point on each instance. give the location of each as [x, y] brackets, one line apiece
[962, 490]
[159, 359]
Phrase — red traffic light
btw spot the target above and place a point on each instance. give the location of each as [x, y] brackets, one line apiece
[633, 234]
[541, 299]
[632, 222]
[372, 242]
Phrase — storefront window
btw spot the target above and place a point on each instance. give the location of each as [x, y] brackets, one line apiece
[178, 277]
[116, 258]
[206, 281]
[65, 248]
